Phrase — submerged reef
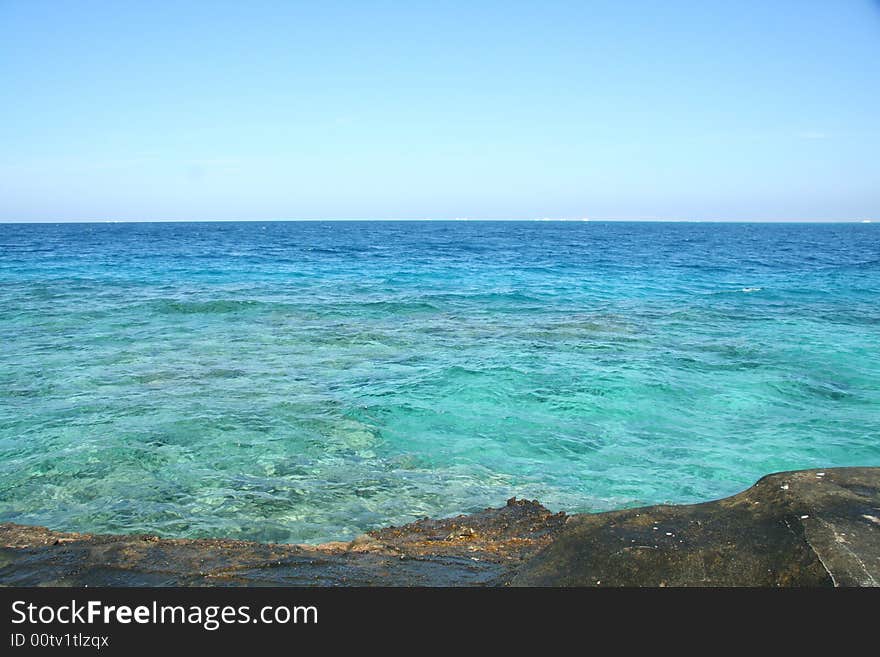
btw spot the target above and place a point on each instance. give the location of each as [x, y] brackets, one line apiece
[803, 528]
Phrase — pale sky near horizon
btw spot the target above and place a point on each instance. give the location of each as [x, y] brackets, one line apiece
[503, 110]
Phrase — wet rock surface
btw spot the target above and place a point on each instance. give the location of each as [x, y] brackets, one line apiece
[481, 549]
[805, 528]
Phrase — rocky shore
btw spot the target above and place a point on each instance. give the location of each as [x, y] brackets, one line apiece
[803, 528]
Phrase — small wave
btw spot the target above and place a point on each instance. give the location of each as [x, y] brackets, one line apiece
[198, 307]
[742, 290]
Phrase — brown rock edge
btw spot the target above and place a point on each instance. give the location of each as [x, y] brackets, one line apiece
[803, 528]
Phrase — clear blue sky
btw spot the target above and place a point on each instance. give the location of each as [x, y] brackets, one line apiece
[744, 110]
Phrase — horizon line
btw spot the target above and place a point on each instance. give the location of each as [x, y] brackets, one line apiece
[866, 220]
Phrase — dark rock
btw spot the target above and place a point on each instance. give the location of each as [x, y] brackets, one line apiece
[805, 528]
[418, 554]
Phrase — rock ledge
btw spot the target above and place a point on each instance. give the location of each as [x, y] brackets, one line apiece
[803, 528]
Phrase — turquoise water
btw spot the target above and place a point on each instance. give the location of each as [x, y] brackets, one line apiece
[310, 381]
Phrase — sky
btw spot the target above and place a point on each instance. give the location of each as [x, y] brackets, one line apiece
[700, 110]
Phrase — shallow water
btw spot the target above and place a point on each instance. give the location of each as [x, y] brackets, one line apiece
[310, 381]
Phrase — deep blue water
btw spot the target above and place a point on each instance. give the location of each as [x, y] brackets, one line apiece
[310, 381]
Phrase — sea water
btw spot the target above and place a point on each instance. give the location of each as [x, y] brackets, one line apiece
[307, 381]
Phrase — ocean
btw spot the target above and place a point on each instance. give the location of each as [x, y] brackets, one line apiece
[310, 381]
